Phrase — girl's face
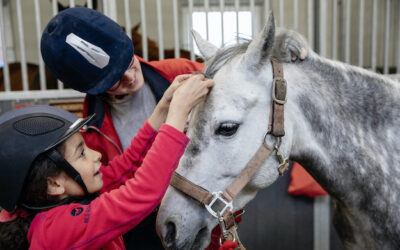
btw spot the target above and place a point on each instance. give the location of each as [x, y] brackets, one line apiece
[87, 162]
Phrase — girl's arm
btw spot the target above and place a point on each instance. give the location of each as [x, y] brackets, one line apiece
[116, 212]
[122, 166]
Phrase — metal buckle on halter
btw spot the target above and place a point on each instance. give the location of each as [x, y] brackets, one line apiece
[273, 90]
[213, 205]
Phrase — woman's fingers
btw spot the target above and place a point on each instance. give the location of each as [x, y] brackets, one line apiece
[181, 78]
[210, 83]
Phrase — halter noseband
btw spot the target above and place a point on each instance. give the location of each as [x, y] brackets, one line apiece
[213, 201]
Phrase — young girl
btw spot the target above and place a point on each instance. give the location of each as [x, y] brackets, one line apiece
[50, 179]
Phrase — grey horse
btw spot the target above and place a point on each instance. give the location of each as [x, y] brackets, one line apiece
[342, 124]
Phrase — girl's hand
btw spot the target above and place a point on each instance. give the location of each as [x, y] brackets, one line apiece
[190, 92]
[178, 81]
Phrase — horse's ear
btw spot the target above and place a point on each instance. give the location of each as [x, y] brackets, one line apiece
[206, 48]
[137, 26]
[261, 46]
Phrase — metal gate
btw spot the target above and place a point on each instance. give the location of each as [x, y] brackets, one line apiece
[361, 32]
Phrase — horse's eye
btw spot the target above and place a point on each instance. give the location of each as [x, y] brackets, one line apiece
[227, 129]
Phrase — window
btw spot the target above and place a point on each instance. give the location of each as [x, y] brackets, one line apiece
[230, 33]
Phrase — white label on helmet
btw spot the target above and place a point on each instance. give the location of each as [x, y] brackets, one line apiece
[94, 54]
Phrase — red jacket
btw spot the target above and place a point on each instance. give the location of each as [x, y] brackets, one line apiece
[123, 203]
[101, 135]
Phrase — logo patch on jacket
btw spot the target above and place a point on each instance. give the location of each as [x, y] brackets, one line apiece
[76, 211]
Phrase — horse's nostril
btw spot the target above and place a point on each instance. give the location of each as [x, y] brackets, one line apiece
[170, 235]
[201, 235]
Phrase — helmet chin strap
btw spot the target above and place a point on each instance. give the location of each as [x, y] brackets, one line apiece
[71, 171]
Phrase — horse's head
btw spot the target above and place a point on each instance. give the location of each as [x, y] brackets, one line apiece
[226, 131]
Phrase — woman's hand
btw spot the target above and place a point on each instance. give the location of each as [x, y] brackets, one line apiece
[189, 93]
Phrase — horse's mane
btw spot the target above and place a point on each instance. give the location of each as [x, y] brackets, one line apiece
[224, 56]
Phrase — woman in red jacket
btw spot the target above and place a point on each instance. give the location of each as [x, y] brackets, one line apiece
[50, 179]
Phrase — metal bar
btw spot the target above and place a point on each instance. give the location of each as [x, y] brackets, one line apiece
[191, 47]
[38, 36]
[295, 14]
[322, 28]
[144, 30]
[387, 39]
[177, 51]
[128, 24]
[71, 3]
[112, 10]
[398, 39]
[90, 4]
[321, 222]
[266, 8]
[60, 85]
[281, 13]
[334, 29]
[347, 32]
[25, 84]
[373, 34]
[160, 31]
[221, 9]
[253, 19]
[310, 30]
[39, 94]
[105, 8]
[237, 6]
[6, 70]
[206, 7]
[54, 7]
[361, 34]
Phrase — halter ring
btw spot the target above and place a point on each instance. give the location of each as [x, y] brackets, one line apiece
[217, 196]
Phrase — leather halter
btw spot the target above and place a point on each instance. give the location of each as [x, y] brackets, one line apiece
[225, 198]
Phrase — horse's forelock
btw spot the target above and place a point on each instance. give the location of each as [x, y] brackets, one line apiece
[224, 56]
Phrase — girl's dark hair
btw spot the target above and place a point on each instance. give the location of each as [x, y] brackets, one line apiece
[13, 234]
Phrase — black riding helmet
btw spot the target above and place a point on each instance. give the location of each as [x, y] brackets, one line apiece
[86, 50]
[26, 133]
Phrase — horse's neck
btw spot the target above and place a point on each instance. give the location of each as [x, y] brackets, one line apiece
[345, 124]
